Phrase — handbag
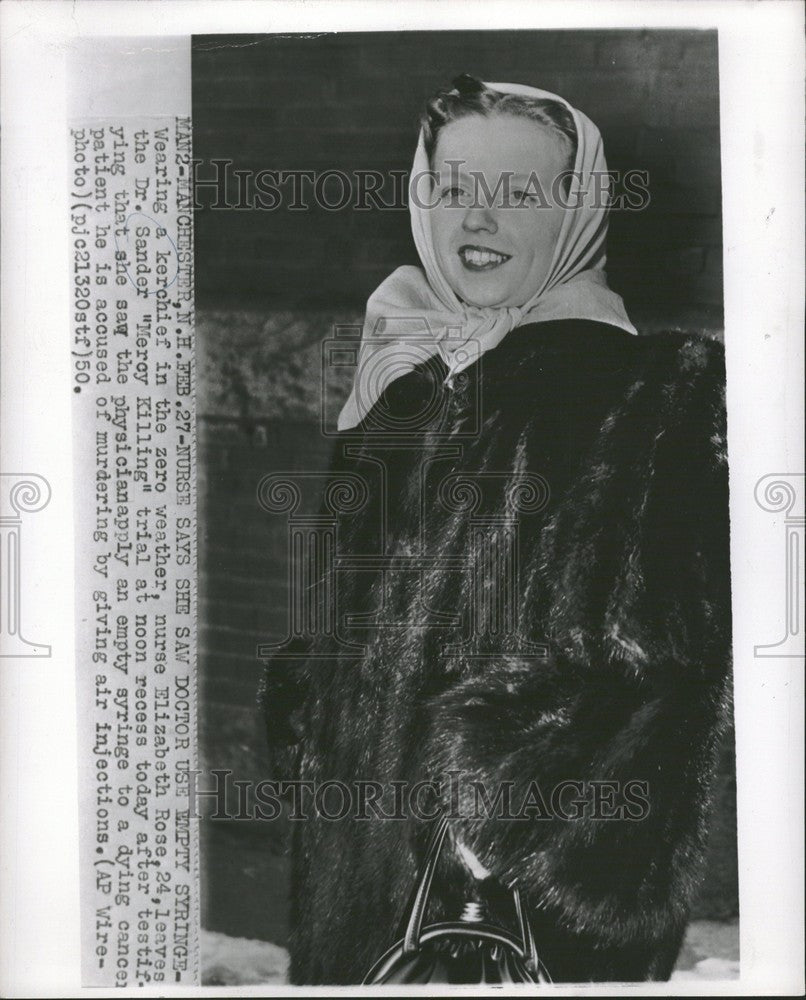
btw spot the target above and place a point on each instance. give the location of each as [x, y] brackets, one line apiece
[466, 951]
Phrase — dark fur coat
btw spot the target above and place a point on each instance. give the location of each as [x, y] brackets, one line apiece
[622, 573]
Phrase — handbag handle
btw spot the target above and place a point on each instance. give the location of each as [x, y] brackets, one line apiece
[411, 939]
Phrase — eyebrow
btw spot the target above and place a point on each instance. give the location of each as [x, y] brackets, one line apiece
[469, 175]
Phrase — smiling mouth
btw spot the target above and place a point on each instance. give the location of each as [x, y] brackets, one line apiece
[481, 258]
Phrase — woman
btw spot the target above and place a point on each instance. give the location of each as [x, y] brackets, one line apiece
[548, 606]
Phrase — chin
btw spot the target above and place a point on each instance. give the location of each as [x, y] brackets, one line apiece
[482, 297]
[492, 292]
[478, 302]
[488, 302]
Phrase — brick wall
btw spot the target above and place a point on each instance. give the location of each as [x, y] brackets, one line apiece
[270, 287]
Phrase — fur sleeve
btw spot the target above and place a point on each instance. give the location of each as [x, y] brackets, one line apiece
[634, 565]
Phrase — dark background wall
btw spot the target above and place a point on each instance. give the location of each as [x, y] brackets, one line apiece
[271, 285]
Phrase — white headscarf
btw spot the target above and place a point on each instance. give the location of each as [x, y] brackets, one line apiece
[415, 314]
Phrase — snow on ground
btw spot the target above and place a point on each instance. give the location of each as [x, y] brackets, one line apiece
[710, 951]
[229, 961]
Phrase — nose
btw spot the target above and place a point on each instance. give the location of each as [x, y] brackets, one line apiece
[480, 219]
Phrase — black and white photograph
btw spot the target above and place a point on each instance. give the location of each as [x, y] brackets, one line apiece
[464, 503]
[402, 497]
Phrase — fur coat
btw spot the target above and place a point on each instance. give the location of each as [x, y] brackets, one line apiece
[611, 662]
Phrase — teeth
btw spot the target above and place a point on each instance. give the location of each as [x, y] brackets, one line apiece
[481, 257]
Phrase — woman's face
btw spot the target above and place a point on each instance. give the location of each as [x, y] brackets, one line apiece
[496, 250]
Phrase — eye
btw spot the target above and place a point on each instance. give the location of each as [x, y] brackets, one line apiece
[453, 195]
[521, 197]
